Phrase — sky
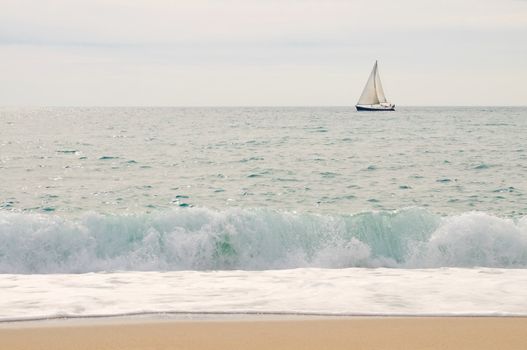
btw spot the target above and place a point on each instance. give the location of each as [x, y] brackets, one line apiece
[261, 52]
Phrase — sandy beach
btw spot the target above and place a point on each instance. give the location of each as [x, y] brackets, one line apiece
[349, 333]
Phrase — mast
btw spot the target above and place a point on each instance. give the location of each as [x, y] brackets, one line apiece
[375, 77]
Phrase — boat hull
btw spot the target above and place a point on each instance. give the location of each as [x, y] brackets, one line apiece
[375, 108]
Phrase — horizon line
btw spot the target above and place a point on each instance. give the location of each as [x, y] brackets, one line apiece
[244, 106]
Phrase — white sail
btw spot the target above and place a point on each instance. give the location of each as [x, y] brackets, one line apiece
[369, 94]
[373, 93]
[378, 86]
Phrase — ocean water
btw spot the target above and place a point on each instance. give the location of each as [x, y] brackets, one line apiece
[111, 211]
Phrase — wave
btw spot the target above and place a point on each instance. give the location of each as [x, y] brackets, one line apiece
[257, 239]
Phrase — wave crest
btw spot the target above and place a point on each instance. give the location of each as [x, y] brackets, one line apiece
[257, 239]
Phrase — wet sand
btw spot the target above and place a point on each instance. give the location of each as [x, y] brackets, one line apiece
[282, 333]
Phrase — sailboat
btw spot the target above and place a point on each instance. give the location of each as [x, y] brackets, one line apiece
[372, 98]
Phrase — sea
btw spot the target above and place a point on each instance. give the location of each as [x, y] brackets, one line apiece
[130, 211]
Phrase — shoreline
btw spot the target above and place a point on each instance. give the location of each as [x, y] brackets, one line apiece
[269, 332]
[168, 317]
[230, 315]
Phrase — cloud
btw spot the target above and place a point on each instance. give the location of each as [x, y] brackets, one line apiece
[156, 22]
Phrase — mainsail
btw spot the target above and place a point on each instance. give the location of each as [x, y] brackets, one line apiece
[373, 93]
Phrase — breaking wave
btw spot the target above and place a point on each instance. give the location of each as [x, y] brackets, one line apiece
[257, 239]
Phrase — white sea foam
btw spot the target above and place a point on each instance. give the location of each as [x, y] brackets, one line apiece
[257, 239]
[354, 291]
